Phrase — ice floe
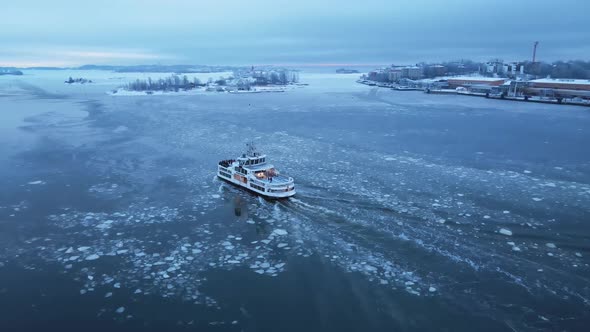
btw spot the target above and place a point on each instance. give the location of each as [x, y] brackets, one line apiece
[280, 232]
[92, 257]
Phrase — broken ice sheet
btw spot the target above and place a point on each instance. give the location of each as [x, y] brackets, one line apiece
[92, 257]
[280, 232]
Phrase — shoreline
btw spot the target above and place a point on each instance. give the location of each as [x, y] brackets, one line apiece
[200, 91]
[530, 99]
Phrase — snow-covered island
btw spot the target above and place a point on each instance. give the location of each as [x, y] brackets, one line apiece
[10, 71]
[240, 81]
[77, 80]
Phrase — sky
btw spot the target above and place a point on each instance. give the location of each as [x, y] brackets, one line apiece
[295, 32]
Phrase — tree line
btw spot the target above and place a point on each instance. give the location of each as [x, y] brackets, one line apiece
[576, 69]
[10, 71]
[171, 83]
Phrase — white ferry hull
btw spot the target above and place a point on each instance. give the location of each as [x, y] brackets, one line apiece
[258, 187]
[277, 194]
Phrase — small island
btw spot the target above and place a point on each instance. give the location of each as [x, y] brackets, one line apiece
[77, 80]
[10, 71]
[242, 81]
[346, 71]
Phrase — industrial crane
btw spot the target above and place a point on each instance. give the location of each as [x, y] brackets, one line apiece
[535, 51]
[533, 64]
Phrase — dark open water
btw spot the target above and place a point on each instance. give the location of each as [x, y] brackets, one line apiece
[111, 203]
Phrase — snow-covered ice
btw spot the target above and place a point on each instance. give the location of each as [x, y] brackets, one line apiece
[92, 257]
[280, 232]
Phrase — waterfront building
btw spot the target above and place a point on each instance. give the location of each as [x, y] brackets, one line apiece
[566, 84]
[412, 73]
[467, 81]
[395, 75]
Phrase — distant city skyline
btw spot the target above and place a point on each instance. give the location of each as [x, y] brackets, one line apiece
[66, 33]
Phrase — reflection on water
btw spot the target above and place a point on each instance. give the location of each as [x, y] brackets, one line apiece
[238, 206]
[261, 228]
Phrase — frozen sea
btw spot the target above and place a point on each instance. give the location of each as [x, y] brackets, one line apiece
[413, 212]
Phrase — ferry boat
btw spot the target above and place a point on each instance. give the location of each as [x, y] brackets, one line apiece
[251, 171]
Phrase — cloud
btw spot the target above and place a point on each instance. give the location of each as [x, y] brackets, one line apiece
[63, 56]
[312, 31]
[94, 55]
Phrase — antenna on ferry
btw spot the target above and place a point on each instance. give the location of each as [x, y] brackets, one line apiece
[251, 148]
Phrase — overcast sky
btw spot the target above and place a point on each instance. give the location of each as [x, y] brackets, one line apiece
[311, 32]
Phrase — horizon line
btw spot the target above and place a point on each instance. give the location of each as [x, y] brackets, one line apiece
[49, 65]
[303, 65]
